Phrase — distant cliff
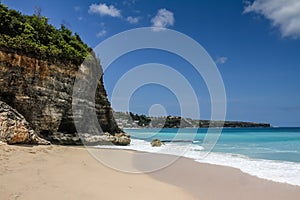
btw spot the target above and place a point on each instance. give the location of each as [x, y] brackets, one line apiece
[130, 120]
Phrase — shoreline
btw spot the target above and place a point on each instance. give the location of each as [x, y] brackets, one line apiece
[271, 170]
[199, 163]
[223, 182]
[34, 172]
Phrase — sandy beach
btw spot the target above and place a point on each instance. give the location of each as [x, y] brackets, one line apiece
[60, 172]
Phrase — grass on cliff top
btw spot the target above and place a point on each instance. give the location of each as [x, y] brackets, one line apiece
[34, 36]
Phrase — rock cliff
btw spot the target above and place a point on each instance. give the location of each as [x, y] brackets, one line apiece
[42, 93]
[14, 129]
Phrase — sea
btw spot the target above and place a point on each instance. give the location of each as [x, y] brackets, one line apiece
[268, 153]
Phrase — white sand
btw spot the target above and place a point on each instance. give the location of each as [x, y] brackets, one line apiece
[59, 172]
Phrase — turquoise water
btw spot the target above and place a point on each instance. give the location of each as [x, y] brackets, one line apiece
[268, 153]
[281, 144]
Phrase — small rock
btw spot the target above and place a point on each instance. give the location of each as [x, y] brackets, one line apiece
[122, 139]
[156, 143]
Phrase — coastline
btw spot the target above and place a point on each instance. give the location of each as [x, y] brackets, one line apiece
[34, 172]
[274, 170]
[221, 182]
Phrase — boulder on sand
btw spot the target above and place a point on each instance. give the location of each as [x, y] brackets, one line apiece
[14, 129]
[156, 143]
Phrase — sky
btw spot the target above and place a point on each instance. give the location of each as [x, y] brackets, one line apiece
[254, 44]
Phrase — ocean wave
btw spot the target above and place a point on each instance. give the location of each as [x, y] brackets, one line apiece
[286, 151]
[278, 171]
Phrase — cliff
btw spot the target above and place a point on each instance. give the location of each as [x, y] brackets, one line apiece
[39, 64]
[130, 120]
[42, 93]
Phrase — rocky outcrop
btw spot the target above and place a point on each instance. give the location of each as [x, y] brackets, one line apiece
[14, 129]
[128, 120]
[42, 93]
[88, 139]
[121, 139]
[156, 143]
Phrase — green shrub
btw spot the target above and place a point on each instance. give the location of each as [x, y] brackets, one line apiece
[34, 36]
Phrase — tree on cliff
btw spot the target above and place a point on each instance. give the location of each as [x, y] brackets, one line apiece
[34, 36]
[143, 120]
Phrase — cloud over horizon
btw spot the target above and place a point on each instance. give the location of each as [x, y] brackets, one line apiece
[103, 9]
[283, 14]
[163, 19]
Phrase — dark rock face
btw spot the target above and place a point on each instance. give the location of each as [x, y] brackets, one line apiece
[42, 93]
[14, 129]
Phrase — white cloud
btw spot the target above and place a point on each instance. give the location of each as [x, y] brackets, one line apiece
[101, 33]
[221, 60]
[132, 20]
[103, 9]
[163, 19]
[284, 14]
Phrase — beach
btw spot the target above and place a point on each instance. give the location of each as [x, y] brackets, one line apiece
[140, 100]
[70, 172]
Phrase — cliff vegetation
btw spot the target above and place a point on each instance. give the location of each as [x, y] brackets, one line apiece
[35, 37]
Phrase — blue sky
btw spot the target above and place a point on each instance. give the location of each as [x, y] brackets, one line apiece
[255, 44]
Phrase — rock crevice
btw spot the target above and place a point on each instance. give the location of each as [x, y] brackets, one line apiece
[14, 129]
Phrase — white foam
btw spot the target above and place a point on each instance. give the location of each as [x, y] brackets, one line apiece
[278, 171]
[169, 148]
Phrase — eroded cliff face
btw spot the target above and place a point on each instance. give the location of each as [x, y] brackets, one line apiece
[14, 129]
[42, 93]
